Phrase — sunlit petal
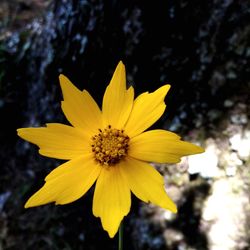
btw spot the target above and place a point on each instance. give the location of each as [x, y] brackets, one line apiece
[67, 183]
[161, 146]
[147, 109]
[146, 183]
[117, 100]
[111, 198]
[79, 107]
[57, 140]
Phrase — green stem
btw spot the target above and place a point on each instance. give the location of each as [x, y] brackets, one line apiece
[120, 242]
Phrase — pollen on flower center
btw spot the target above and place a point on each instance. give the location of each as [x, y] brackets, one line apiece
[109, 146]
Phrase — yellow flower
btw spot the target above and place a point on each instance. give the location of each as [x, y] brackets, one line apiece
[108, 147]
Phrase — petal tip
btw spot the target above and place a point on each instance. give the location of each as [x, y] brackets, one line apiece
[166, 88]
[120, 63]
[111, 234]
[27, 204]
[198, 149]
[21, 132]
[120, 69]
[62, 80]
[201, 150]
[61, 77]
[65, 82]
[174, 209]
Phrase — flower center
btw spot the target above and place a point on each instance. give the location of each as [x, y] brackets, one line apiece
[109, 146]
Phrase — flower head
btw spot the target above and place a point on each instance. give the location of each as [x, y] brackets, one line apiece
[108, 147]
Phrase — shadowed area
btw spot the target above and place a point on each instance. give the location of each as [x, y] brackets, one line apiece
[190, 214]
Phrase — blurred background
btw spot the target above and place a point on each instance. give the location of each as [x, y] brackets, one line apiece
[202, 48]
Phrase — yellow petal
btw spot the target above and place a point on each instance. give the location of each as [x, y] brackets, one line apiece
[147, 109]
[67, 183]
[79, 107]
[161, 146]
[57, 140]
[111, 199]
[117, 100]
[146, 183]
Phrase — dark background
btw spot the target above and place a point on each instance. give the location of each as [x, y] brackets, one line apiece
[202, 48]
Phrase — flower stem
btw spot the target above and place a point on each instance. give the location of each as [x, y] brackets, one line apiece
[120, 242]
